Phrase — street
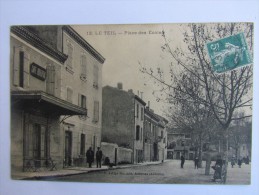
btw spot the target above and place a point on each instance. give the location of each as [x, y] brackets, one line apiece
[168, 172]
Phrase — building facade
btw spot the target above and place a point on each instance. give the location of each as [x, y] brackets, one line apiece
[179, 144]
[45, 117]
[150, 135]
[123, 120]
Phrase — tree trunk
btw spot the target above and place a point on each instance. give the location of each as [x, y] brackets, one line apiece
[200, 153]
[208, 162]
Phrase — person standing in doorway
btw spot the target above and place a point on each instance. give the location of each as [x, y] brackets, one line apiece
[90, 157]
[182, 161]
[99, 155]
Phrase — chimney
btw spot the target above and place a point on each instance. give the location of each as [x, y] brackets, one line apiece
[130, 91]
[148, 105]
[119, 85]
[141, 95]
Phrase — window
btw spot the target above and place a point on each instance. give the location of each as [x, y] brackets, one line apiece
[96, 70]
[83, 67]
[137, 132]
[70, 55]
[142, 113]
[244, 147]
[82, 144]
[39, 141]
[50, 88]
[162, 134]
[137, 111]
[187, 136]
[82, 100]
[96, 111]
[21, 60]
[141, 131]
[69, 94]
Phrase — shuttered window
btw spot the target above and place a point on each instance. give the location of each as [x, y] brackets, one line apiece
[70, 55]
[51, 79]
[69, 94]
[81, 100]
[96, 72]
[83, 67]
[96, 111]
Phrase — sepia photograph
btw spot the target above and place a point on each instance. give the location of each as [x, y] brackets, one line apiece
[164, 103]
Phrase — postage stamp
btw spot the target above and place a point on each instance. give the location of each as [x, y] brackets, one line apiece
[229, 53]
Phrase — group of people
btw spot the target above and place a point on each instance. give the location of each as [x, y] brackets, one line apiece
[239, 161]
[90, 157]
[196, 162]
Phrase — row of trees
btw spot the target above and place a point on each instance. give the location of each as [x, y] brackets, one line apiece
[202, 102]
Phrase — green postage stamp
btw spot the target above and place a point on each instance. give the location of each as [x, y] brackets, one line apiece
[229, 53]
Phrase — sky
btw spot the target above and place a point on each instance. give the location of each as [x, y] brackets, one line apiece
[128, 47]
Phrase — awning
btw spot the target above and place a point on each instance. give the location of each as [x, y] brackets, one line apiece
[43, 102]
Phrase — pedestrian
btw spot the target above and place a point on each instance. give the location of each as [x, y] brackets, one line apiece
[196, 162]
[233, 162]
[90, 157]
[99, 155]
[182, 161]
[239, 163]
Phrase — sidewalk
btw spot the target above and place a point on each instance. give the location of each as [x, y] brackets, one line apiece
[73, 171]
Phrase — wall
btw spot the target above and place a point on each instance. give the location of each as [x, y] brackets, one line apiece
[124, 155]
[118, 117]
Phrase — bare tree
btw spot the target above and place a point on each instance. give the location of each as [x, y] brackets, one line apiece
[192, 81]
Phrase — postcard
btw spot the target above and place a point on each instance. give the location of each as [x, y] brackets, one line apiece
[132, 103]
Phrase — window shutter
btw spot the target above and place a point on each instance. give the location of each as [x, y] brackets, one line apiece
[96, 111]
[83, 66]
[51, 79]
[26, 71]
[16, 62]
[79, 99]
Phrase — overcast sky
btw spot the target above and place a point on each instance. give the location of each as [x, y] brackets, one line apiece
[124, 46]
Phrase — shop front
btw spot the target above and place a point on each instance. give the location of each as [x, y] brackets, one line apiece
[37, 139]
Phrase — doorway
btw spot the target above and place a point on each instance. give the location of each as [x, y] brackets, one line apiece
[68, 148]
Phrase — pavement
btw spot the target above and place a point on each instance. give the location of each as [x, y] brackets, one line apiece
[168, 172]
[73, 171]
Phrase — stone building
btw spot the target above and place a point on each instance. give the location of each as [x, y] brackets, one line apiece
[123, 120]
[150, 135]
[155, 136]
[179, 143]
[162, 138]
[55, 96]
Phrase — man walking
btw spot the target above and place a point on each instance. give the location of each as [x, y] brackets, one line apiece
[90, 157]
[99, 156]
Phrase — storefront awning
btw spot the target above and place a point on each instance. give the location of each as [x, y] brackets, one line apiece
[43, 102]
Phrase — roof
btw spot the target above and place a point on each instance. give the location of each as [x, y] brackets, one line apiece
[151, 115]
[81, 41]
[47, 103]
[33, 39]
[140, 100]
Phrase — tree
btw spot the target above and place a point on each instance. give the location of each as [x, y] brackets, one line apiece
[192, 81]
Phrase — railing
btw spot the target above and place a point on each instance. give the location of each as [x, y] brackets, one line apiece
[31, 164]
